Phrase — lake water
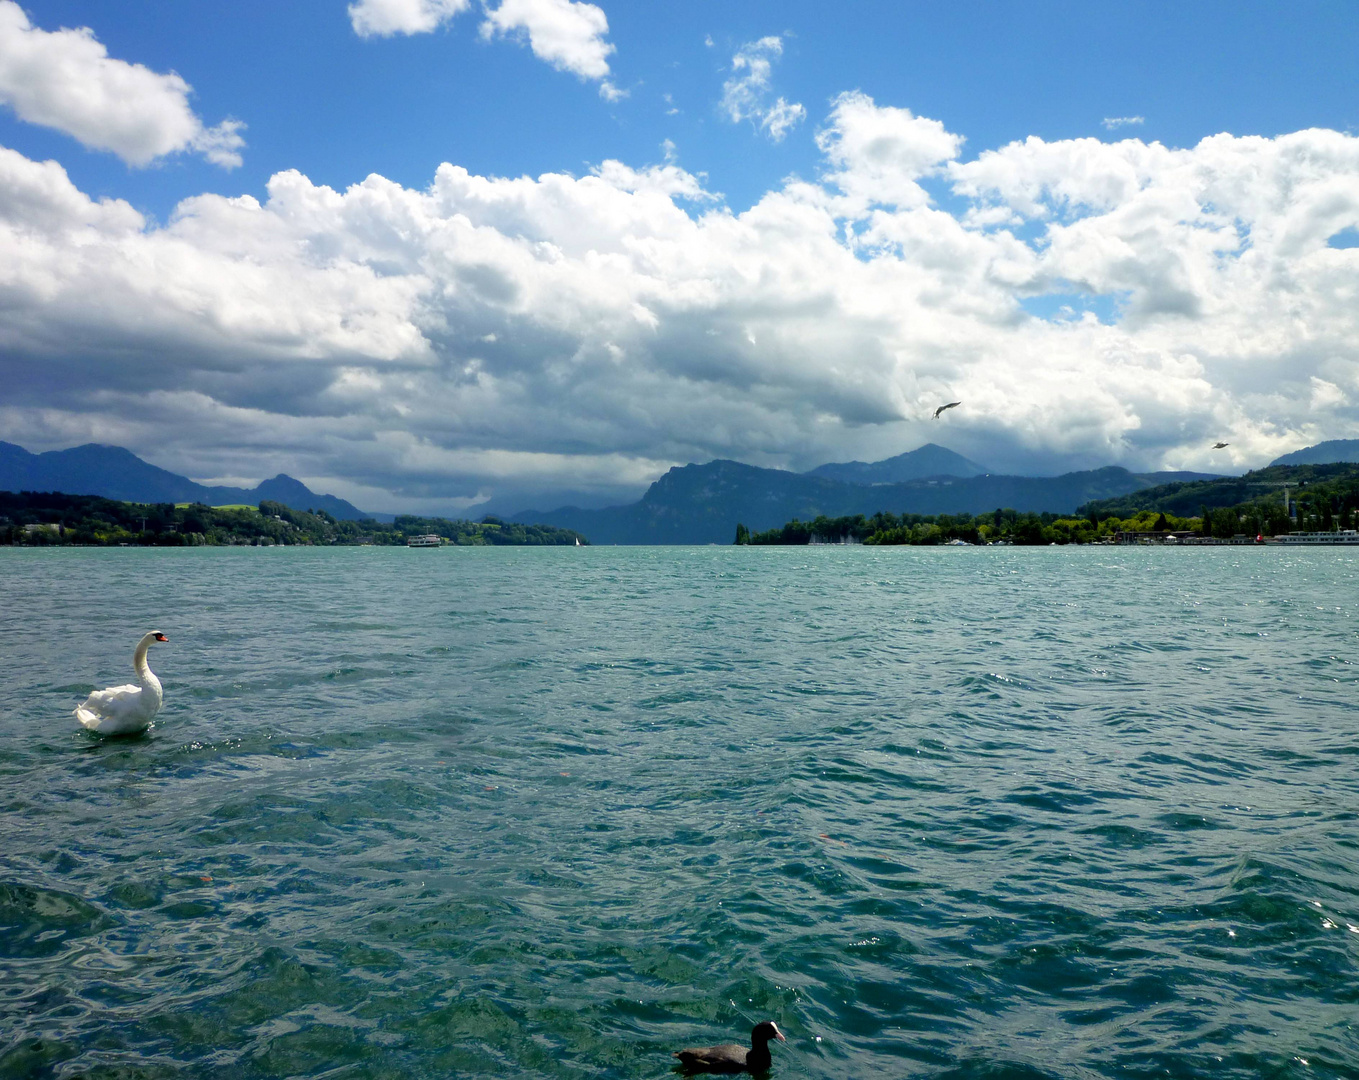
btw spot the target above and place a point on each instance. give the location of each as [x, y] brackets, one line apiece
[558, 812]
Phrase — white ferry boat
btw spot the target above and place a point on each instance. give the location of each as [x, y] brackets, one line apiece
[428, 540]
[1344, 536]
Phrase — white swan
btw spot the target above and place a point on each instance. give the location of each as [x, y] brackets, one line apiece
[126, 710]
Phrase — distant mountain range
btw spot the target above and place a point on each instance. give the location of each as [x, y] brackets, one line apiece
[116, 473]
[692, 504]
[702, 504]
[1331, 452]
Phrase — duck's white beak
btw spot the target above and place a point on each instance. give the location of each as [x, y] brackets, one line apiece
[779, 1035]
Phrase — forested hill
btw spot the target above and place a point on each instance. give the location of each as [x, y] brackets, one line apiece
[34, 518]
[1314, 487]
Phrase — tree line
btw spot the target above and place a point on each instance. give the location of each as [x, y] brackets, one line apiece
[1000, 526]
[47, 518]
[1322, 498]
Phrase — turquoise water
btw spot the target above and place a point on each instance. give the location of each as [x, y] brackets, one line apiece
[555, 813]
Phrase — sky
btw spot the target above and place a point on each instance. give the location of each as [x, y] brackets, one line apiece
[453, 256]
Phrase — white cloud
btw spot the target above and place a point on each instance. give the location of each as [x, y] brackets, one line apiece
[781, 118]
[490, 334]
[568, 34]
[879, 153]
[1326, 395]
[571, 35]
[668, 179]
[1039, 178]
[745, 96]
[385, 18]
[1111, 122]
[66, 80]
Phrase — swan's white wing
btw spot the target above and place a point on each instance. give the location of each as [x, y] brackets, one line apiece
[117, 708]
[114, 698]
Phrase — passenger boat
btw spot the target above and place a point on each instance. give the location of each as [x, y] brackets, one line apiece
[1344, 536]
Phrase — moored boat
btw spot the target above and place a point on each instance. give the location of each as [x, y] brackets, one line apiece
[1343, 536]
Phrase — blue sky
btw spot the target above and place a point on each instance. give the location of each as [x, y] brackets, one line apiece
[318, 98]
[317, 94]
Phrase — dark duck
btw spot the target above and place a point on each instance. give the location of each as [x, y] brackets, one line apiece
[732, 1058]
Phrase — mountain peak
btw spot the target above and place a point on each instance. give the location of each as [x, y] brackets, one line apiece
[114, 472]
[1331, 452]
[924, 461]
[282, 484]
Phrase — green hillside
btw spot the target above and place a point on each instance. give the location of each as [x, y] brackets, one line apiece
[1326, 496]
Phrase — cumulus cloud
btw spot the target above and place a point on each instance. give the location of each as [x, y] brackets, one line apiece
[489, 335]
[385, 18]
[568, 34]
[66, 80]
[879, 154]
[745, 96]
[571, 35]
[1111, 122]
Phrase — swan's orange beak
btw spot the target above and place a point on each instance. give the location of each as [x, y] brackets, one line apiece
[161, 637]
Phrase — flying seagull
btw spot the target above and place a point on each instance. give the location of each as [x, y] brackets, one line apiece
[1220, 446]
[950, 405]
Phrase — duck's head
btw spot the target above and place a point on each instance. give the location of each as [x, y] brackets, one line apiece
[761, 1033]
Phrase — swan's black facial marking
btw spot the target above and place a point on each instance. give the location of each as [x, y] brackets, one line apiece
[161, 637]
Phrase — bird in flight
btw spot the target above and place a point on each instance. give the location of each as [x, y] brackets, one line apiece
[950, 405]
[1220, 446]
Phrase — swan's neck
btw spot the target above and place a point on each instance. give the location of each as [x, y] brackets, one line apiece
[145, 675]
